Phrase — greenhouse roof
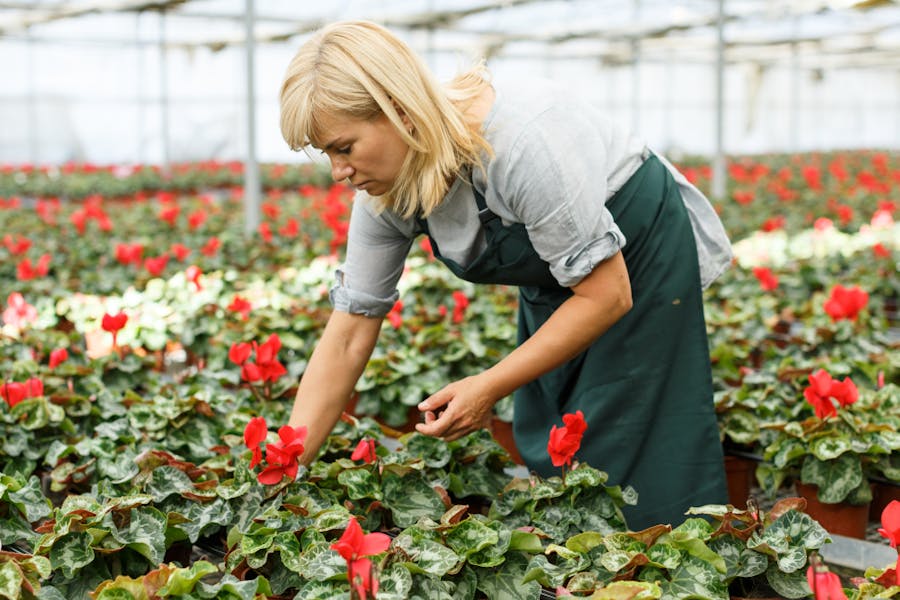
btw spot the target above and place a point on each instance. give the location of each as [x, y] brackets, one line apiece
[830, 33]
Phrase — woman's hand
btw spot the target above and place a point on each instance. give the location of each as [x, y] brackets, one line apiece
[467, 403]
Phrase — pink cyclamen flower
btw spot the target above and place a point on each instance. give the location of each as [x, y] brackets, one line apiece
[18, 312]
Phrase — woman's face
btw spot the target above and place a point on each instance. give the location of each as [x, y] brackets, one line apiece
[367, 153]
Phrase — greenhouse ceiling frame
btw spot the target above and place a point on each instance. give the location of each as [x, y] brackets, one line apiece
[622, 45]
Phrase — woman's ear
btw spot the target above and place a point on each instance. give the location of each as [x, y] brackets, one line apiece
[403, 116]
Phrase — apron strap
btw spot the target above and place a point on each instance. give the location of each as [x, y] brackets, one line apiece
[485, 215]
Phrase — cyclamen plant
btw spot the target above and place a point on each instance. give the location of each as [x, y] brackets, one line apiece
[282, 456]
[823, 388]
[266, 369]
[356, 548]
[565, 441]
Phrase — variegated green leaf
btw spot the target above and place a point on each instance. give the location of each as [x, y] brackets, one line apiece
[71, 552]
[695, 578]
[166, 481]
[319, 562]
[205, 517]
[231, 587]
[665, 556]
[527, 541]
[395, 583]
[12, 580]
[586, 476]
[335, 517]
[146, 533]
[324, 590]
[30, 500]
[432, 557]
[410, 498]
[792, 529]
[506, 581]
[258, 538]
[470, 536]
[740, 561]
[788, 585]
[118, 468]
[697, 548]
[288, 547]
[583, 542]
[827, 448]
[494, 554]
[615, 560]
[835, 478]
[360, 483]
[183, 580]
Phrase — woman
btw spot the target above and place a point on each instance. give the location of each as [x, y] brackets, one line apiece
[609, 244]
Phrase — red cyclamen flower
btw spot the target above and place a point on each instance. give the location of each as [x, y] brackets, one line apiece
[283, 455]
[59, 355]
[354, 547]
[822, 388]
[156, 265]
[254, 434]
[890, 523]
[460, 302]
[13, 393]
[365, 451]
[768, 281]
[239, 353]
[565, 441]
[846, 303]
[114, 323]
[240, 305]
[824, 584]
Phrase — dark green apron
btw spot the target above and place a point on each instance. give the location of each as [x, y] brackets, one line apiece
[644, 386]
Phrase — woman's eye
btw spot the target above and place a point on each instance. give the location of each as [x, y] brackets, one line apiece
[344, 150]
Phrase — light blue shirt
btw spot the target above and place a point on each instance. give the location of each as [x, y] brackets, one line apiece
[557, 161]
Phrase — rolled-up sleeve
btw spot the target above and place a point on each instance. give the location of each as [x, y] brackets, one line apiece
[377, 246]
[557, 177]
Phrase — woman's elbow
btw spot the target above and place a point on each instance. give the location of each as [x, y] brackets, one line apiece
[623, 302]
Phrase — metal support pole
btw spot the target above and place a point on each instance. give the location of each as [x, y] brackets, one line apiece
[252, 185]
[794, 74]
[718, 175]
[164, 92]
[140, 112]
[31, 95]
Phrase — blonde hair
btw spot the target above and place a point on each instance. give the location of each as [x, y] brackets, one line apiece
[358, 69]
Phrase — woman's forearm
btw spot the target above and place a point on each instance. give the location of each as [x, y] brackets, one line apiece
[601, 299]
[333, 370]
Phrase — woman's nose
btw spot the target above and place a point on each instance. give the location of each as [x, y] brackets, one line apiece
[340, 169]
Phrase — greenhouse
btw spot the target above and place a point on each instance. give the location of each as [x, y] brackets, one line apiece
[459, 299]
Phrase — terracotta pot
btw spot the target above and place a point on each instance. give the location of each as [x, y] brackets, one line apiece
[842, 518]
[883, 493]
[740, 473]
[503, 433]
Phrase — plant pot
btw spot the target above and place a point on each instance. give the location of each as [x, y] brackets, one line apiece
[883, 493]
[503, 433]
[739, 472]
[850, 520]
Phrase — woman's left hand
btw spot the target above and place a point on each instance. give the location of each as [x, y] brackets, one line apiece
[467, 407]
